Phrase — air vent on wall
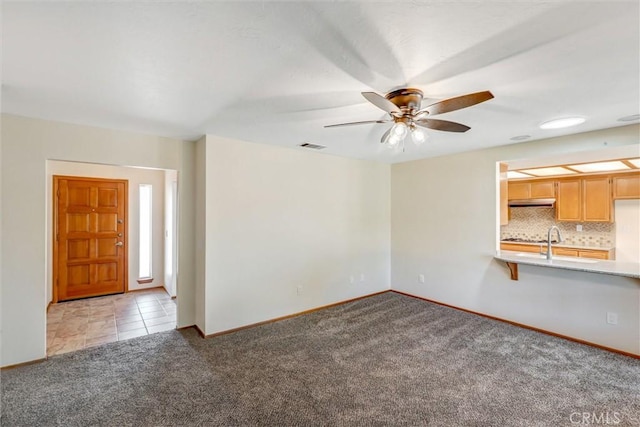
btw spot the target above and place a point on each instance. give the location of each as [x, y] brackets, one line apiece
[312, 146]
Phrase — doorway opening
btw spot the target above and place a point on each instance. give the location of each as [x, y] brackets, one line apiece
[145, 304]
[591, 219]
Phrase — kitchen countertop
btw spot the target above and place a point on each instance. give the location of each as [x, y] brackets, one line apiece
[560, 245]
[611, 267]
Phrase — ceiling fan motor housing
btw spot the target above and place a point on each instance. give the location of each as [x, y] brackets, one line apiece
[408, 100]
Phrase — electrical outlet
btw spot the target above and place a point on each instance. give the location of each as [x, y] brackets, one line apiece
[362, 277]
[612, 318]
[352, 280]
[579, 227]
[421, 278]
[299, 289]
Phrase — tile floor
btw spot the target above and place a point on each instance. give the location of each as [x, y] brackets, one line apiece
[79, 324]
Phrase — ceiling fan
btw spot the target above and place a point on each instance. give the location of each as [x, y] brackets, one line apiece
[404, 109]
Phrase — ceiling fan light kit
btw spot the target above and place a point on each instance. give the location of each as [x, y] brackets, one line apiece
[396, 136]
[404, 109]
[399, 129]
[418, 136]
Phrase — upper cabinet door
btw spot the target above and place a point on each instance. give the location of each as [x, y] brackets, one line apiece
[569, 201]
[626, 187]
[519, 190]
[543, 189]
[596, 199]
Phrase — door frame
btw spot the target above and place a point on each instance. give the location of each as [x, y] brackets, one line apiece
[54, 228]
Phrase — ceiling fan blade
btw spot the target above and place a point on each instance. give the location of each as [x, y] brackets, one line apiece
[443, 125]
[381, 102]
[457, 103]
[384, 136]
[357, 123]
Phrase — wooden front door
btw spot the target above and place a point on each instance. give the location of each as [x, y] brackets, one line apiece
[90, 245]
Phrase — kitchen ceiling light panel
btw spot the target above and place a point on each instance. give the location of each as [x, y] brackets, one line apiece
[634, 162]
[517, 174]
[600, 167]
[551, 171]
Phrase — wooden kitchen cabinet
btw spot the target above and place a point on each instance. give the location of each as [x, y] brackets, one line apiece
[560, 251]
[626, 187]
[584, 200]
[598, 254]
[520, 248]
[564, 251]
[596, 199]
[569, 200]
[518, 190]
[584, 253]
[544, 189]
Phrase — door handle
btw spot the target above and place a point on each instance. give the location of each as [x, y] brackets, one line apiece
[119, 244]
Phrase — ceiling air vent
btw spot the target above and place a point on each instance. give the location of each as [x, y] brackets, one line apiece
[312, 146]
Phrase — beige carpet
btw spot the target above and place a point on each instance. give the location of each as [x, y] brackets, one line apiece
[385, 360]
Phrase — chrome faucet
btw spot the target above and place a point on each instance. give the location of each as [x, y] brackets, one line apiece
[549, 255]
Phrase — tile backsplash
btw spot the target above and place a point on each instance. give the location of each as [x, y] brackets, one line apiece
[532, 223]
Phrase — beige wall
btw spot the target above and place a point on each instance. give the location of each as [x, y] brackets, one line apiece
[27, 145]
[170, 259]
[200, 236]
[443, 225]
[268, 231]
[286, 229]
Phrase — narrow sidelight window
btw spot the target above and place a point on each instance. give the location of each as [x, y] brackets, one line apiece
[145, 231]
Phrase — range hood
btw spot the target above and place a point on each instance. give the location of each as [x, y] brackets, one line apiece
[532, 203]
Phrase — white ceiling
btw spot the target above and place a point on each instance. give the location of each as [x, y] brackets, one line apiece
[277, 72]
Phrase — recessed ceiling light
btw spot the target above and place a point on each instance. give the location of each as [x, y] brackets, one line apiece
[600, 167]
[554, 170]
[630, 118]
[516, 174]
[520, 137]
[562, 123]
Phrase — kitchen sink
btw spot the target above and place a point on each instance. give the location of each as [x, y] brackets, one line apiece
[558, 258]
